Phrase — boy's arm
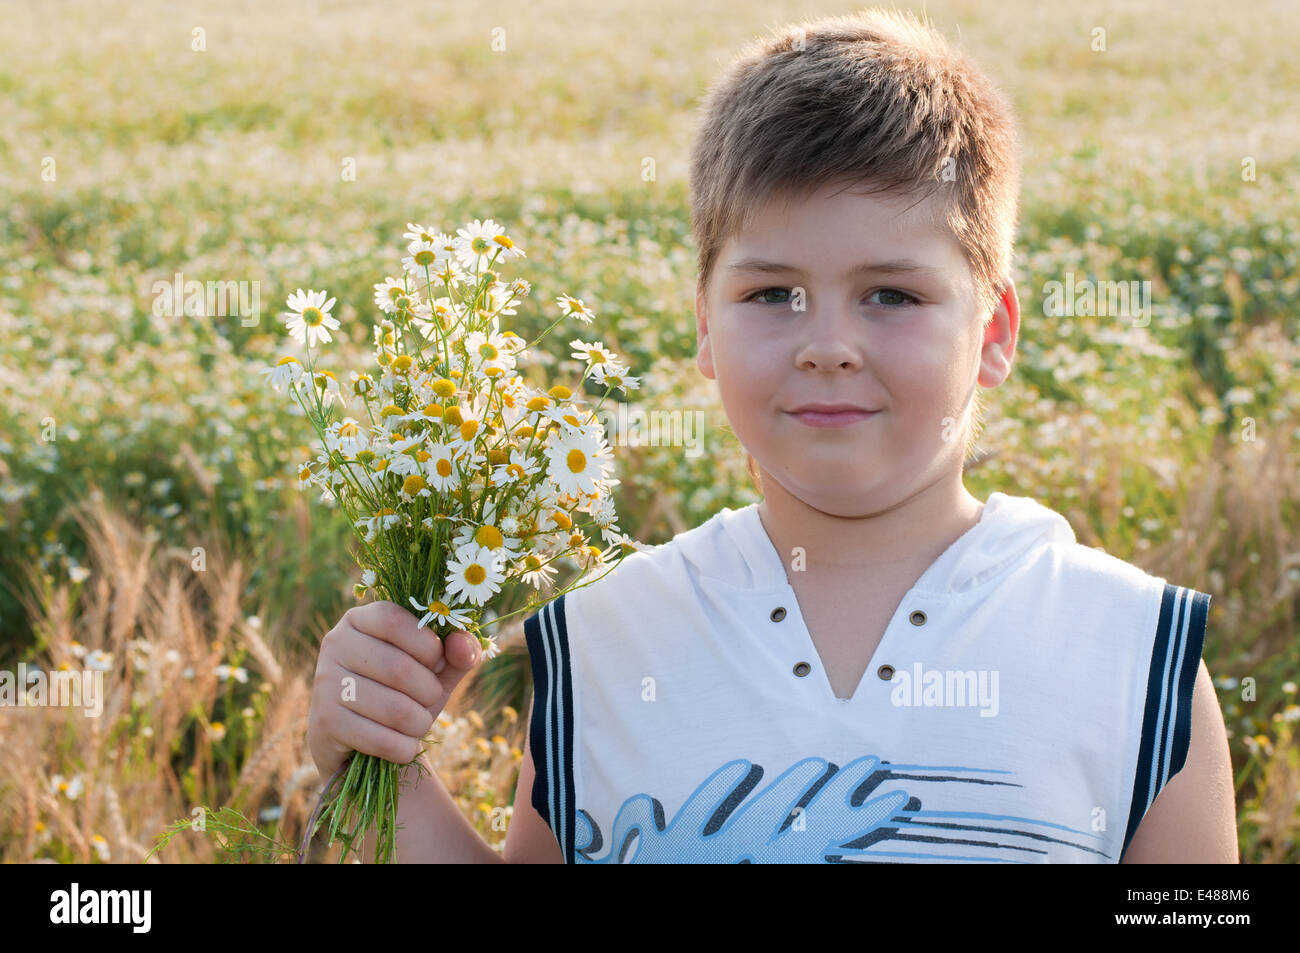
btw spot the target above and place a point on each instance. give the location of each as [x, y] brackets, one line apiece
[1194, 818]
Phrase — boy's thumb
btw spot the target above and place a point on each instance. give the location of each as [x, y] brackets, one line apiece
[460, 651]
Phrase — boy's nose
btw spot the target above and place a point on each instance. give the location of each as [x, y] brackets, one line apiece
[829, 341]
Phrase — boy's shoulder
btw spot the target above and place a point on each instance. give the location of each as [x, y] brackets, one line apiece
[706, 548]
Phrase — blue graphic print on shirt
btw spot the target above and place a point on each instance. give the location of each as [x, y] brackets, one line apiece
[818, 812]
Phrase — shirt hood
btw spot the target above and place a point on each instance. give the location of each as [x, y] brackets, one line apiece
[1010, 528]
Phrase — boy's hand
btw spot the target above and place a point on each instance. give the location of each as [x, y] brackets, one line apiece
[380, 684]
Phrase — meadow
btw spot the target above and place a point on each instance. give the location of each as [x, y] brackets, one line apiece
[287, 145]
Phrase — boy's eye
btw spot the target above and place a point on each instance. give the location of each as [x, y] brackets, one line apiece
[764, 291]
[895, 295]
[890, 297]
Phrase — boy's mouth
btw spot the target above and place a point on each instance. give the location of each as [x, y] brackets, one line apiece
[840, 418]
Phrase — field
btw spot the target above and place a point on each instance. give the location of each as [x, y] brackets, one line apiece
[287, 145]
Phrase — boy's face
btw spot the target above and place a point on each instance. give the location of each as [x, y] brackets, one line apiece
[910, 345]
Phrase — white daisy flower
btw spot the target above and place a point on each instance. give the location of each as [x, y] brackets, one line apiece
[537, 570]
[225, 672]
[489, 537]
[404, 464]
[346, 437]
[286, 372]
[464, 437]
[101, 847]
[474, 574]
[382, 520]
[418, 233]
[71, 788]
[521, 467]
[422, 255]
[367, 577]
[492, 649]
[99, 660]
[614, 375]
[439, 612]
[328, 387]
[573, 307]
[422, 321]
[388, 291]
[309, 319]
[593, 354]
[577, 462]
[78, 649]
[440, 468]
[490, 352]
[480, 241]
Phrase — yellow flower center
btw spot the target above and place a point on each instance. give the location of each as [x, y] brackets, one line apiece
[286, 360]
[560, 392]
[312, 317]
[468, 429]
[489, 536]
[443, 466]
[413, 484]
[475, 574]
[504, 242]
[577, 461]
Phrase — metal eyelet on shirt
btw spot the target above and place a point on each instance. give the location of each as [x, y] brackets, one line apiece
[802, 668]
[886, 672]
[917, 617]
[778, 614]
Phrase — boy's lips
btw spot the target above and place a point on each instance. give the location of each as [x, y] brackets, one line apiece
[814, 417]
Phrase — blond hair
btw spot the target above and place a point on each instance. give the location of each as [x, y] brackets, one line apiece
[876, 98]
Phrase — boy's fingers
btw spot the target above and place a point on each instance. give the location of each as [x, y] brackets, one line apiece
[398, 625]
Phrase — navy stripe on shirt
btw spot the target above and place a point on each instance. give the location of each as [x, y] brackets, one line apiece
[551, 728]
[1167, 721]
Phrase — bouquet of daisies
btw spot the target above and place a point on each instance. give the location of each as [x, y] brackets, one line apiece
[463, 481]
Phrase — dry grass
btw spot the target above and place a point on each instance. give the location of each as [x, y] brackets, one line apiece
[173, 735]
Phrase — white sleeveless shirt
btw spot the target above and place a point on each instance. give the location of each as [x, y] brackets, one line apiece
[1027, 702]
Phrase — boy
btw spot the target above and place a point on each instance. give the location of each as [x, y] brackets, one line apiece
[854, 198]
[870, 665]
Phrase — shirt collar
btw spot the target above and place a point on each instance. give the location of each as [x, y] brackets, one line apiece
[1009, 528]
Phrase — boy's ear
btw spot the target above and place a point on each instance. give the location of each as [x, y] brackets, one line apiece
[1000, 333]
[704, 347]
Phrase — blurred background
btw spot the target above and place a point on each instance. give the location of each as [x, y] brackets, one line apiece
[151, 525]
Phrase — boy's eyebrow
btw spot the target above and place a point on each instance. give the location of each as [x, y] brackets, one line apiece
[898, 266]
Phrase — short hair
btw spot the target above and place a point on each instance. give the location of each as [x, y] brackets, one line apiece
[877, 98]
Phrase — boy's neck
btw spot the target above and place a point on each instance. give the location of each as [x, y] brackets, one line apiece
[901, 536]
